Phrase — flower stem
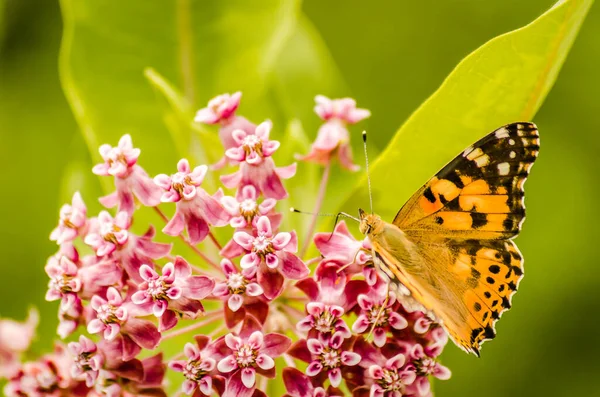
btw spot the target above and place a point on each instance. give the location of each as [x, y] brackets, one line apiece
[215, 241]
[192, 246]
[318, 204]
[209, 318]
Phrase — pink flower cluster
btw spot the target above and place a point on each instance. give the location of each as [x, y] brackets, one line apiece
[236, 310]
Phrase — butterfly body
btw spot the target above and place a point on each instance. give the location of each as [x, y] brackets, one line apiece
[450, 247]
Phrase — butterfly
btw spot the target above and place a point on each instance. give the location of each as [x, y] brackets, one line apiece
[450, 248]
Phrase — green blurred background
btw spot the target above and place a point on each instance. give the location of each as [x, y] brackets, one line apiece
[391, 55]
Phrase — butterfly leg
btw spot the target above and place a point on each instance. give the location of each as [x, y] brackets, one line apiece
[379, 313]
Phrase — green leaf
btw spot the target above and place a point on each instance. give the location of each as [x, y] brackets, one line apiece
[503, 81]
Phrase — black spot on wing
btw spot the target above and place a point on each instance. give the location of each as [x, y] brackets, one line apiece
[429, 195]
[478, 219]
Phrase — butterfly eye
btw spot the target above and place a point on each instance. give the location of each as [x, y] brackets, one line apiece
[369, 227]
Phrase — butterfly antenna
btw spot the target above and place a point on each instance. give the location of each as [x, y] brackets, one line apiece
[364, 135]
[292, 209]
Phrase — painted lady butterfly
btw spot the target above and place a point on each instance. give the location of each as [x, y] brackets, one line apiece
[450, 246]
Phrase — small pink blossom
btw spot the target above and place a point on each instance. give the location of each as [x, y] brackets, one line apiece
[272, 255]
[112, 233]
[15, 339]
[250, 352]
[48, 376]
[245, 210]
[324, 319]
[333, 138]
[112, 237]
[72, 221]
[378, 313]
[252, 148]
[197, 369]
[329, 355]
[195, 209]
[341, 109]
[64, 283]
[114, 316]
[332, 287]
[253, 152]
[175, 291]
[236, 287]
[130, 179]
[343, 247]
[87, 362]
[391, 378]
[219, 109]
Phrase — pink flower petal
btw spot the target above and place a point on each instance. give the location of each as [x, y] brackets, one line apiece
[95, 326]
[248, 377]
[291, 266]
[350, 358]
[314, 346]
[256, 339]
[249, 261]
[281, 240]
[227, 364]
[244, 239]
[253, 289]
[235, 302]
[314, 368]
[263, 226]
[233, 342]
[275, 344]
[335, 377]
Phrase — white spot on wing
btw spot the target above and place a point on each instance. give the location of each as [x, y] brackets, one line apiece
[511, 142]
[482, 161]
[503, 168]
[474, 154]
[502, 133]
[513, 155]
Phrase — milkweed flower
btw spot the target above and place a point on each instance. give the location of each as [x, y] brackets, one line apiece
[378, 314]
[174, 293]
[72, 221]
[112, 239]
[198, 369]
[130, 179]
[221, 110]
[328, 355]
[248, 353]
[15, 339]
[195, 210]
[234, 319]
[113, 317]
[272, 255]
[333, 138]
[253, 151]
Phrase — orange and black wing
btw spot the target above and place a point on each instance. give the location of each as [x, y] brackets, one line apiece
[480, 193]
[462, 222]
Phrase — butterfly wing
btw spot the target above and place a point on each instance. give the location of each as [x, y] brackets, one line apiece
[459, 226]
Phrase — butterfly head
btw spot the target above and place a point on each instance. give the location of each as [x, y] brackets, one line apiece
[370, 223]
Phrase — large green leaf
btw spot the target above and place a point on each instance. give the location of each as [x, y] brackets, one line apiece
[503, 81]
